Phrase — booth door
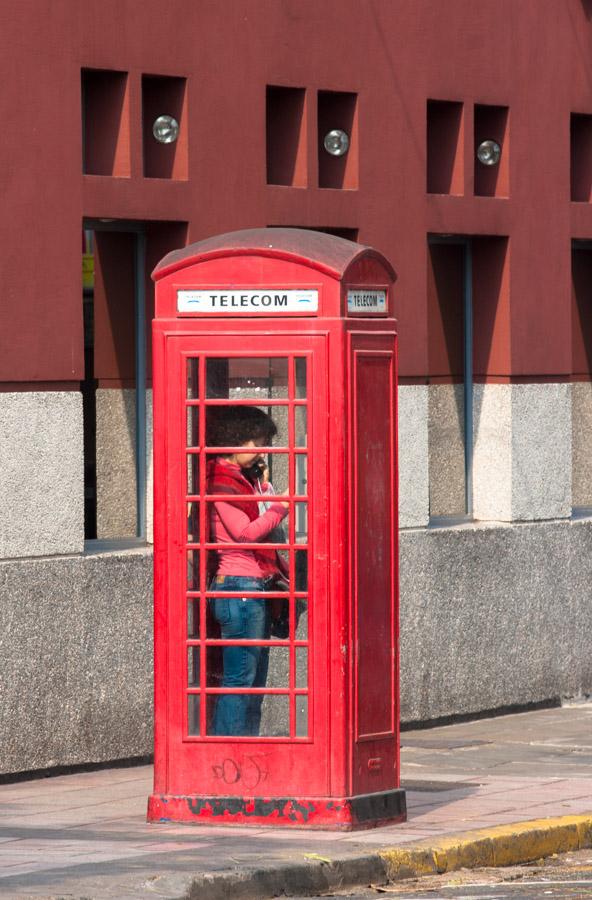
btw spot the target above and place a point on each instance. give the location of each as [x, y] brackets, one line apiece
[247, 670]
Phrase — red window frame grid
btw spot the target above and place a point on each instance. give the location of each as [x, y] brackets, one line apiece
[202, 450]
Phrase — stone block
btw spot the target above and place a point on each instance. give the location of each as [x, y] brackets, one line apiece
[581, 443]
[447, 449]
[494, 615]
[75, 660]
[116, 463]
[413, 456]
[41, 474]
[541, 451]
[522, 451]
[492, 456]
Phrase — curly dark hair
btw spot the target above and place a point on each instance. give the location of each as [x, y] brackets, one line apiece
[233, 426]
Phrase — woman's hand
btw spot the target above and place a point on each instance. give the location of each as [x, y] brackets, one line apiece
[283, 503]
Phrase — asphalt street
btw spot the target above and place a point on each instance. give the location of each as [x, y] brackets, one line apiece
[558, 878]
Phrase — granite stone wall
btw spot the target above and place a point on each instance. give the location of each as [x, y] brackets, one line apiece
[41, 473]
[75, 660]
[491, 616]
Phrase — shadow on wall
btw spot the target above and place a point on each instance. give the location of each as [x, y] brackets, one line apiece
[491, 310]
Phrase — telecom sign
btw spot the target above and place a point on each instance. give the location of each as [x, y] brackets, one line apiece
[367, 302]
[234, 301]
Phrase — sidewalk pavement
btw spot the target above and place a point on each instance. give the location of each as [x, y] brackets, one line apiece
[85, 835]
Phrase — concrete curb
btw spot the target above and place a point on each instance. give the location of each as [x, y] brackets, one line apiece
[504, 845]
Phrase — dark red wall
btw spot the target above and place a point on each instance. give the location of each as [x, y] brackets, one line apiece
[532, 56]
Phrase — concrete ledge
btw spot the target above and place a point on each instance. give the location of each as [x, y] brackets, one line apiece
[505, 845]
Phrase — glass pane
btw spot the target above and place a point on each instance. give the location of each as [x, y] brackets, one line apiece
[249, 715]
[192, 379]
[192, 473]
[241, 618]
[193, 426]
[301, 474]
[300, 378]
[301, 570]
[275, 716]
[249, 665]
[234, 425]
[301, 631]
[193, 618]
[247, 378]
[278, 673]
[226, 619]
[192, 666]
[193, 570]
[301, 522]
[243, 665]
[193, 705]
[233, 525]
[301, 715]
[300, 418]
[193, 522]
[301, 667]
[284, 561]
[278, 471]
[219, 473]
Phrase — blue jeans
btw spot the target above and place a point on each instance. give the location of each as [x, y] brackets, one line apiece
[241, 618]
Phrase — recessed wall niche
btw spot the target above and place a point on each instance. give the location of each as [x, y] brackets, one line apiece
[581, 157]
[105, 123]
[285, 123]
[338, 110]
[445, 156]
[491, 124]
[163, 95]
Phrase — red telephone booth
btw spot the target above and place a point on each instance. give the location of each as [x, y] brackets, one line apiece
[292, 721]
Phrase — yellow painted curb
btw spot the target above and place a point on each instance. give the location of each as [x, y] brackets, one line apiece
[504, 845]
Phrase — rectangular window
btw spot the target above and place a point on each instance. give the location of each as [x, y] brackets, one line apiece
[117, 304]
[491, 124]
[285, 125]
[582, 376]
[581, 157]
[338, 110]
[105, 123]
[164, 96]
[450, 369]
[445, 147]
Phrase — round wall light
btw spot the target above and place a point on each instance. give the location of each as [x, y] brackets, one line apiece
[336, 142]
[165, 129]
[488, 153]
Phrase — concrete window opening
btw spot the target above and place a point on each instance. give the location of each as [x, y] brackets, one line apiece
[468, 357]
[581, 157]
[285, 126]
[582, 377]
[338, 110]
[164, 96]
[117, 395]
[445, 147]
[450, 355]
[105, 123]
[491, 123]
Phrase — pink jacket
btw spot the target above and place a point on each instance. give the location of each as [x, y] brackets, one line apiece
[231, 526]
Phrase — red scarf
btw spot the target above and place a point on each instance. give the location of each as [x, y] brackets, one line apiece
[224, 478]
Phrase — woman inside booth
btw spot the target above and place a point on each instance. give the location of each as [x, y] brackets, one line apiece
[232, 523]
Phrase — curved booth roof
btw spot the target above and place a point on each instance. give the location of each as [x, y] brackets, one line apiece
[326, 252]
